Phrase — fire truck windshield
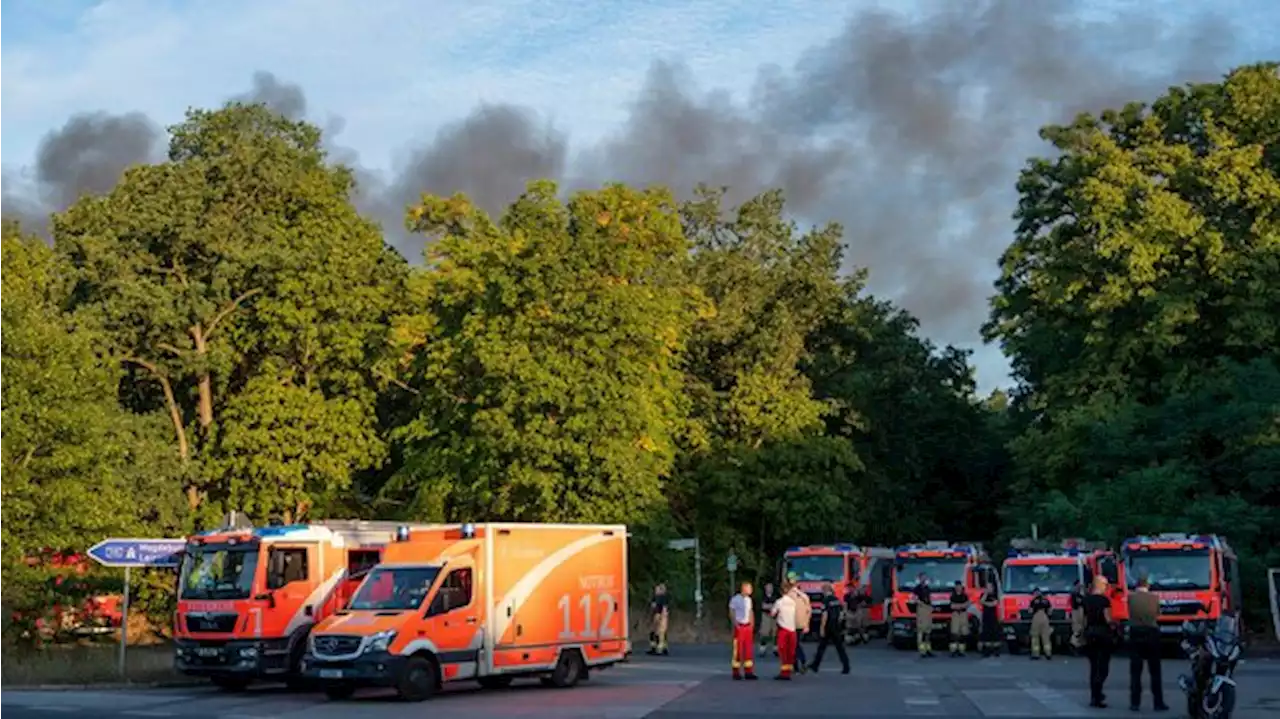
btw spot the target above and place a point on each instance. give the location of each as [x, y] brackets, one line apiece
[817, 568]
[219, 571]
[1048, 578]
[1170, 569]
[943, 572]
[394, 588]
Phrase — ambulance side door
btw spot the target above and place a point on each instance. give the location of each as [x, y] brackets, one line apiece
[453, 623]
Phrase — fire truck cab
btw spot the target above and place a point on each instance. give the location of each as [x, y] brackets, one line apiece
[248, 597]
[1196, 577]
[1054, 569]
[944, 564]
[847, 566]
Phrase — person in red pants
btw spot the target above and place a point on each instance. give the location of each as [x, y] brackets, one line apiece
[784, 615]
[743, 617]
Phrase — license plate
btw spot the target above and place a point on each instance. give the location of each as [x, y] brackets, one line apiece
[207, 651]
[1170, 629]
[330, 673]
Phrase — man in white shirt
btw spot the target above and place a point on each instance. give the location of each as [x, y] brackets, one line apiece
[784, 614]
[742, 615]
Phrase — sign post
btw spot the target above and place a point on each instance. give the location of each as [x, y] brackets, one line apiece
[681, 545]
[731, 563]
[130, 553]
[1273, 588]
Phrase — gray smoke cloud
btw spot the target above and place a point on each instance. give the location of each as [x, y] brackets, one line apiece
[283, 98]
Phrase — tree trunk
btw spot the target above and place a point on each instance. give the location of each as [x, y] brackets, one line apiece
[205, 406]
[175, 416]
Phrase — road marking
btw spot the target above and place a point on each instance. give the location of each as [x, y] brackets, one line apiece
[920, 698]
[65, 709]
[147, 713]
[1052, 700]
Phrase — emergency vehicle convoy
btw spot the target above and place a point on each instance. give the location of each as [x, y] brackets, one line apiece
[248, 597]
[1196, 577]
[848, 567]
[1055, 570]
[483, 602]
[944, 564]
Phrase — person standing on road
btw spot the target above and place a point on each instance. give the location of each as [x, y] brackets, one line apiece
[990, 635]
[743, 617]
[832, 629]
[1144, 645]
[1041, 630]
[857, 606]
[959, 603]
[784, 616]
[804, 617]
[768, 629]
[922, 601]
[1077, 616]
[1098, 640]
[660, 615]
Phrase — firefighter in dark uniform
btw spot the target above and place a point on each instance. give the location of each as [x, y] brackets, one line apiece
[832, 629]
[768, 627]
[857, 604]
[922, 604]
[1078, 594]
[959, 603]
[1041, 630]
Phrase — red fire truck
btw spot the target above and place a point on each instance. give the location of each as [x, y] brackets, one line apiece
[248, 597]
[1196, 577]
[1054, 569]
[847, 566]
[944, 563]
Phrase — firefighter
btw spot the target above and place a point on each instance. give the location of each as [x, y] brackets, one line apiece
[959, 603]
[832, 629]
[1041, 631]
[659, 620]
[856, 605]
[923, 603]
[743, 619]
[784, 616]
[991, 636]
[768, 628]
[804, 617]
[1077, 616]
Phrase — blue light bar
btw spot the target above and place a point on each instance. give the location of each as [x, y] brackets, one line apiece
[794, 549]
[844, 547]
[468, 530]
[279, 531]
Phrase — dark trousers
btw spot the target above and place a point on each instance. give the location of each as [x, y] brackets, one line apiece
[1098, 647]
[836, 640]
[800, 658]
[1144, 649]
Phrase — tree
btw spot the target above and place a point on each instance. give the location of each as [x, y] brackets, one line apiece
[546, 376]
[77, 468]
[239, 256]
[1149, 247]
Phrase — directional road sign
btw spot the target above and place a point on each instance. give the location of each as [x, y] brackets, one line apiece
[138, 552]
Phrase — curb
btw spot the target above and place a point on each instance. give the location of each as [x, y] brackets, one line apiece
[112, 686]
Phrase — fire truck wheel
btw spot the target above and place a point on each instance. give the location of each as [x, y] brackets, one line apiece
[338, 692]
[900, 643]
[499, 681]
[568, 671]
[231, 684]
[419, 680]
[1013, 646]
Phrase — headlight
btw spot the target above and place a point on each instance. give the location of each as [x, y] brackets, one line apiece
[249, 652]
[380, 641]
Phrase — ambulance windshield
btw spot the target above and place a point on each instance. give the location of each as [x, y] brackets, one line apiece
[943, 573]
[1048, 578]
[219, 571]
[390, 588]
[1170, 569]
[817, 567]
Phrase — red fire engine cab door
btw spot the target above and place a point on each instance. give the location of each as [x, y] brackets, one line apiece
[454, 621]
[292, 577]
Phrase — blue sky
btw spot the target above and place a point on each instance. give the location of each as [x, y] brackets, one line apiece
[394, 71]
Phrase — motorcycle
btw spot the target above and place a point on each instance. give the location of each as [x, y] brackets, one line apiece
[1214, 653]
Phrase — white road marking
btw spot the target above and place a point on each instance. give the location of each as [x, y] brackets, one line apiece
[55, 708]
[919, 698]
[148, 713]
[1052, 700]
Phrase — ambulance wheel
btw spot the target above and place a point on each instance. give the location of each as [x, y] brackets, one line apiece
[231, 684]
[418, 681]
[568, 671]
[338, 692]
[500, 681]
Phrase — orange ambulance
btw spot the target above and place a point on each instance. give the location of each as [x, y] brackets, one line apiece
[482, 602]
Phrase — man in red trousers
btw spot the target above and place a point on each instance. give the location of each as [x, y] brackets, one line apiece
[742, 614]
[784, 614]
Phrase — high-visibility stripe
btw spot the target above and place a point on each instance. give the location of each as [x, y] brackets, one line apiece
[749, 664]
[786, 667]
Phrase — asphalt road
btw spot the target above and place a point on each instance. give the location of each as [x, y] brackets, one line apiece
[694, 682]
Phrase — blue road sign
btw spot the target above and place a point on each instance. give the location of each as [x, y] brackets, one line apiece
[138, 552]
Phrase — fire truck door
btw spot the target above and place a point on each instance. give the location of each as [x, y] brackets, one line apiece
[291, 581]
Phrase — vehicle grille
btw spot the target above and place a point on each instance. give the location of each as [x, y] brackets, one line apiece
[334, 645]
[220, 623]
[1180, 608]
[1055, 615]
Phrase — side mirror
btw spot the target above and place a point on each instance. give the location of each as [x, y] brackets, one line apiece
[1188, 628]
[269, 597]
